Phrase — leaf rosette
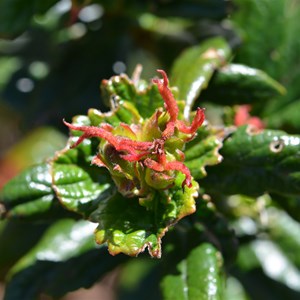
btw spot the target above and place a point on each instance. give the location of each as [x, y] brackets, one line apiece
[148, 153]
[144, 156]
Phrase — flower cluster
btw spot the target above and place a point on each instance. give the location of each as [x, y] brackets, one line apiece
[136, 163]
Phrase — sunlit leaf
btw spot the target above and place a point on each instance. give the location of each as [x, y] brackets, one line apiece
[257, 162]
[129, 227]
[193, 69]
[199, 276]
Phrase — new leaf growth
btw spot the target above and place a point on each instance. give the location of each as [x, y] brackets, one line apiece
[157, 153]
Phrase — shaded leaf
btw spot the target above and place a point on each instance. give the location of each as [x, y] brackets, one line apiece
[259, 286]
[16, 15]
[217, 231]
[65, 259]
[199, 276]
[291, 205]
[286, 117]
[17, 238]
[214, 9]
[193, 69]
[240, 84]
[139, 279]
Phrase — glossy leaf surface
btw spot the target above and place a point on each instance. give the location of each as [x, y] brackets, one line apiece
[78, 184]
[202, 151]
[65, 259]
[257, 162]
[30, 193]
[217, 230]
[199, 276]
[239, 84]
[193, 69]
[129, 227]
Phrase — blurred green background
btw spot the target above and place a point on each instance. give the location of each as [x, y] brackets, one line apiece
[54, 54]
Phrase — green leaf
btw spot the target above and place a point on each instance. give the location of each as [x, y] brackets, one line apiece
[124, 112]
[79, 185]
[129, 224]
[276, 54]
[17, 238]
[65, 259]
[217, 230]
[121, 88]
[34, 183]
[257, 162]
[76, 189]
[138, 277]
[16, 15]
[286, 117]
[30, 195]
[69, 178]
[63, 240]
[129, 227]
[240, 84]
[193, 69]
[234, 290]
[284, 231]
[199, 276]
[202, 151]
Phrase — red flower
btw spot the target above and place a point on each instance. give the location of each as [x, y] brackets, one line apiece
[242, 117]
